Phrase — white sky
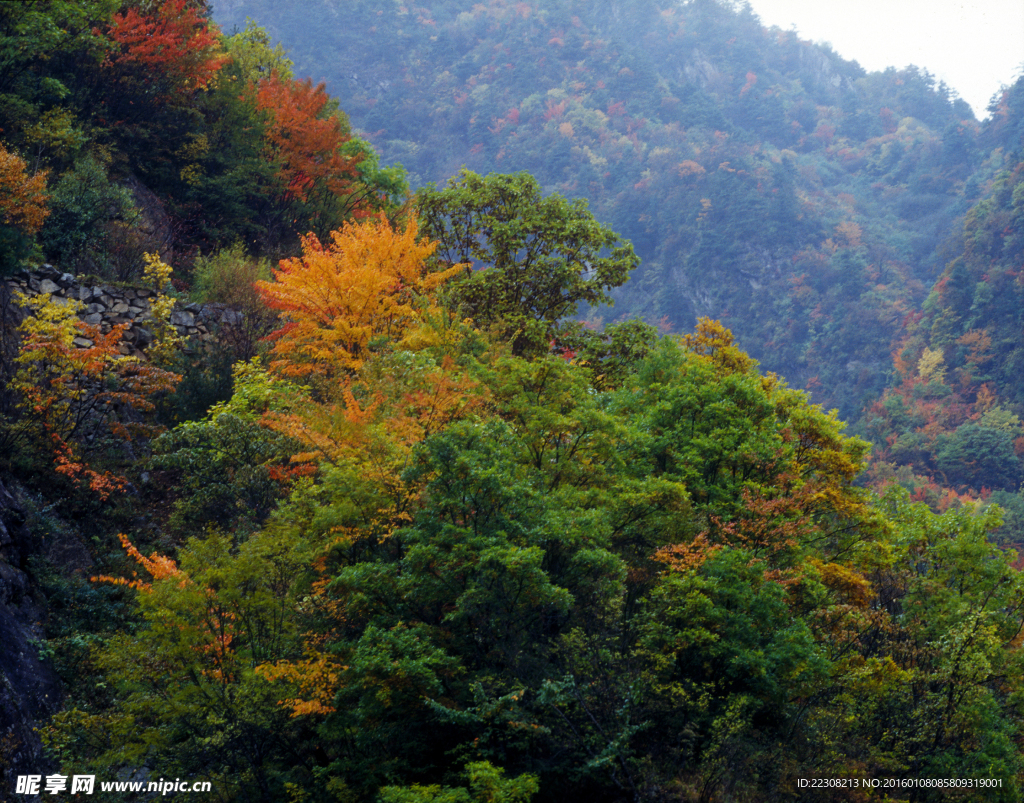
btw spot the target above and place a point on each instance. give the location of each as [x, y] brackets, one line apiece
[975, 46]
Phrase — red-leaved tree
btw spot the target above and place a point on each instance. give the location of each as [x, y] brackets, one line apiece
[305, 140]
[173, 49]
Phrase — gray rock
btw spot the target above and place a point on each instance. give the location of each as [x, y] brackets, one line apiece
[183, 318]
[105, 307]
[29, 689]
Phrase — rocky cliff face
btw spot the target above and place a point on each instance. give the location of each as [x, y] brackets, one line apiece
[29, 689]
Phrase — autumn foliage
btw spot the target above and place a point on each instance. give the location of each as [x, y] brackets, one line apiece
[304, 139]
[158, 566]
[74, 381]
[22, 197]
[173, 42]
[370, 281]
[445, 523]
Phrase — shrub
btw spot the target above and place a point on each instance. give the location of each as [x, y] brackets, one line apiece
[91, 227]
[227, 277]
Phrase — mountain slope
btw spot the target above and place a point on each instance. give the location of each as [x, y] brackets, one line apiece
[762, 179]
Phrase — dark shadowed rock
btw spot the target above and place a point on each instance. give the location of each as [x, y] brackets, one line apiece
[30, 691]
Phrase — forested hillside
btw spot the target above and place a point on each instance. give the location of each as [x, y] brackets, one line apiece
[420, 517]
[951, 419]
[762, 179]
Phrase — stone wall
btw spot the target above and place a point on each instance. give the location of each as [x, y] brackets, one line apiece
[107, 305]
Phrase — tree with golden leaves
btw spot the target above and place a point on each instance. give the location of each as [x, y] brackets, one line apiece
[22, 209]
[370, 281]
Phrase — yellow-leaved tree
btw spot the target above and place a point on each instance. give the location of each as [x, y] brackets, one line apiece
[369, 292]
[370, 281]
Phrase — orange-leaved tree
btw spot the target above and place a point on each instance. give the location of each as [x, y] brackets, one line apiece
[371, 281]
[304, 138]
[74, 382]
[22, 209]
[22, 197]
[171, 48]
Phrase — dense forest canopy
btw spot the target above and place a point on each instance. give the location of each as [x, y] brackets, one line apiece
[428, 519]
[762, 180]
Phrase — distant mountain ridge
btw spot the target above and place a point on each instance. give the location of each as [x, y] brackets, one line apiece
[763, 179]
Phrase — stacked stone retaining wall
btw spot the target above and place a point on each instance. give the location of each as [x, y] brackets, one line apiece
[107, 305]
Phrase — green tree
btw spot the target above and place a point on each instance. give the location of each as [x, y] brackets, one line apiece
[46, 51]
[85, 213]
[731, 667]
[487, 784]
[535, 259]
[253, 57]
[189, 689]
[980, 456]
[949, 617]
[710, 421]
[231, 471]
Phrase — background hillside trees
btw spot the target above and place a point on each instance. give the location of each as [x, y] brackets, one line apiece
[762, 179]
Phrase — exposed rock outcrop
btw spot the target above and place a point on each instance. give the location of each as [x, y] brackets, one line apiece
[30, 691]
